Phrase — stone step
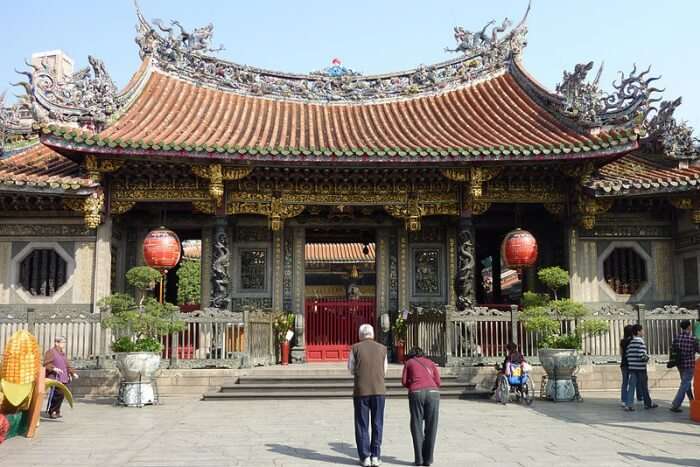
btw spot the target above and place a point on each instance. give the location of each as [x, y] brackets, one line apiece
[308, 379]
[453, 393]
[345, 388]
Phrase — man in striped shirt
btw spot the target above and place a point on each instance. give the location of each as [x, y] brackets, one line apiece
[637, 358]
[687, 346]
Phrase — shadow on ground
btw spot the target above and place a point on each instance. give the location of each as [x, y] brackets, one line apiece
[347, 451]
[661, 459]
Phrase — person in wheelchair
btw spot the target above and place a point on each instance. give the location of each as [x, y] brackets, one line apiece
[513, 377]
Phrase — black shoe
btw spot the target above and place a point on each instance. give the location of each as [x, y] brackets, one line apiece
[676, 409]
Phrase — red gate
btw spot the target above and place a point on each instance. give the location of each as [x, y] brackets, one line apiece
[331, 326]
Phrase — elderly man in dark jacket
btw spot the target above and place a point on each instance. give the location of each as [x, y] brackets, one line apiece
[368, 363]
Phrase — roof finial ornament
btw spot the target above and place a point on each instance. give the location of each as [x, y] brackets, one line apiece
[675, 138]
[587, 104]
[178, 43]
[494, 46]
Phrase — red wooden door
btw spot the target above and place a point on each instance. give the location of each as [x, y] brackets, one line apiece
[331, 326]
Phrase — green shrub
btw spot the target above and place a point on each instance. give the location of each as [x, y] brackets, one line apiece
[189, 282]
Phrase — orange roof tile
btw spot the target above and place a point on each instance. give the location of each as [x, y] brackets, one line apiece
[38, 167]
[635, 175]
[491, 119]
[338, 253]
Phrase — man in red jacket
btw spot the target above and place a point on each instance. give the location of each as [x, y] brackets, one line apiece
[422, 378]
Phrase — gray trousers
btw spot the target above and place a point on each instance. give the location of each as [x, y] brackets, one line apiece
[425, 407]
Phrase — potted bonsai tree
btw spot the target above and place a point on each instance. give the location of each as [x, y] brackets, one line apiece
[282, 324]
[138, 326]
[558, 343]
[399, 330]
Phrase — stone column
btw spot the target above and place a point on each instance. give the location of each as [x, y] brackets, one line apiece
[103, 262]
[404, 292]
[382, 283]
[277, 270]
[466, 297]
[220, 275]
[298, 284]
[206, 265]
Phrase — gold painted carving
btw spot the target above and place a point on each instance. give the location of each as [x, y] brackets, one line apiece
[275, 210]
[413, 210]
[554, 208]
[90, 206]
[696, 216]
[216, 174]
[581, 172]
[589, 208]
[475, 176]
[205, 206]
[681, 203]
[120, 207]
[96, 167]
[479, 207]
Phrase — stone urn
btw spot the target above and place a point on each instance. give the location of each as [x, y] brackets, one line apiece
[560, 365]
[138, 366]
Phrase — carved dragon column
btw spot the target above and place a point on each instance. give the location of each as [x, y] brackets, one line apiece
[465, 284]
[220, 266]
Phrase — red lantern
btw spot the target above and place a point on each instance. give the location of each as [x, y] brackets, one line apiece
[519, 249]
[161, 249]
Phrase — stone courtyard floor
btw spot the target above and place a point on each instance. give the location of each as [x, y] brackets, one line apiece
[187, 432]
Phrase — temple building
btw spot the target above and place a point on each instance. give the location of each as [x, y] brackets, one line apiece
[334, 195]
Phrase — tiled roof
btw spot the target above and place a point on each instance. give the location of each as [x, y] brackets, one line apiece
[635, 175]
[338, 253]
[489, 120]
[40, 168]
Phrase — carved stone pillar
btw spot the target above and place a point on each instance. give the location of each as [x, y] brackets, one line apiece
[298, 284]
[403, 270]
[206, 279]
[220, 276]
[383, 280]
[277, 270]
[466, 297]
[103, 261]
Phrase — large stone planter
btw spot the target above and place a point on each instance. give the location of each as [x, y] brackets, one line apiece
[138, 366]
[560, 365]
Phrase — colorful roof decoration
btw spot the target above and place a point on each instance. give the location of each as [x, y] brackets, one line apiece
[41, 169]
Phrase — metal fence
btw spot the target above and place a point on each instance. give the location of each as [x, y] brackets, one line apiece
[480, 335]
[210, 339]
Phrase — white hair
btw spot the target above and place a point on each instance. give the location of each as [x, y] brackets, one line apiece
[366, 331]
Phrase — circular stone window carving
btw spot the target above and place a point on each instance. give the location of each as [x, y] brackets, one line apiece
[625, 270]
[42, 272]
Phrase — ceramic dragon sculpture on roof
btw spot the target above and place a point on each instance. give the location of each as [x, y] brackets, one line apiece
[173, 49]
[86, 98]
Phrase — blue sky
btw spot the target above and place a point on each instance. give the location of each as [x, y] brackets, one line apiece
[374, 36]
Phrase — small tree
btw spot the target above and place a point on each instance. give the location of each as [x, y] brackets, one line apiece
[282, 323]
[554, 278]
[141, 324]
[544, 316]
[189, 282]
[400, 329]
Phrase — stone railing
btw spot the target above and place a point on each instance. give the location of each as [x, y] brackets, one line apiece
[211, 338]
[480, 335]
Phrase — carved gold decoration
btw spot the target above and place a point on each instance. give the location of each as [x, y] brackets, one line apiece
[205, 207]
[479, 207]
[216, 174]
[681, 203]
[475, 176]
[274, 209]
[554, 208]
[90, 206]
[96, 167]
[696, 216]
[120, 207]
[590, 208]
[581, 172]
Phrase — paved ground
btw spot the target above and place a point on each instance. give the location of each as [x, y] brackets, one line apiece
[186, 432]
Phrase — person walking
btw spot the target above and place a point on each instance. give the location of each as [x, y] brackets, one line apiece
[58, 368]
[422, 379]
[687, 346]
[368, 364]
[637, 358]
[624, 342]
